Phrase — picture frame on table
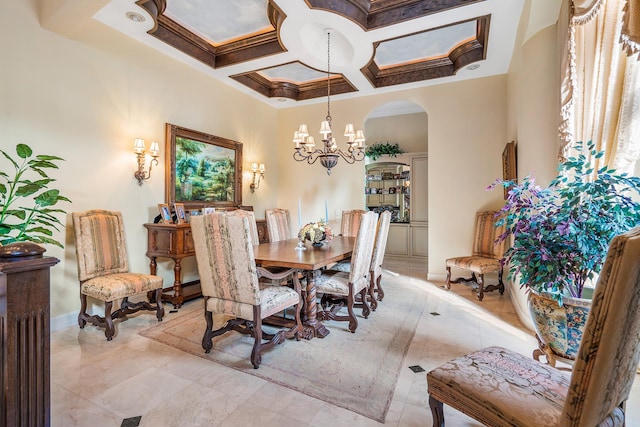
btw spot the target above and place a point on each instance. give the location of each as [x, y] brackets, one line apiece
[181, 215]
[202, 169]
[165, 213]
[208, 210]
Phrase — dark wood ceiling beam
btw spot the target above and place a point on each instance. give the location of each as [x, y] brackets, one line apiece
[175, 35]
[459, 57]
[294, 91]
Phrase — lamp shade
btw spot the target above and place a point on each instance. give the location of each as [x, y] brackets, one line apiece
[138, 146]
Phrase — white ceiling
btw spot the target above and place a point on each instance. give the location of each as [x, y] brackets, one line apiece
[303, 35]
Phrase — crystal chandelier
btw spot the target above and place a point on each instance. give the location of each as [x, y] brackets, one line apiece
[329, 153]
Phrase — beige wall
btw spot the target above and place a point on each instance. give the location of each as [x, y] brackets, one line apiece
[86, 99]
[410, 131]
[466, 136]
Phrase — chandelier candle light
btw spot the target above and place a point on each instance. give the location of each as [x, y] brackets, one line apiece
[329, 154]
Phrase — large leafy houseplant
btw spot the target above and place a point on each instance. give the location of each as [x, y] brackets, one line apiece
[561, 233]
[27, 210]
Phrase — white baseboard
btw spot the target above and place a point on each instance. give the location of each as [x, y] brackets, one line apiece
[63, 321]
[436, 277]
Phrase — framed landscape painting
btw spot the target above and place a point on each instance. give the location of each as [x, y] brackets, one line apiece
[202, 169]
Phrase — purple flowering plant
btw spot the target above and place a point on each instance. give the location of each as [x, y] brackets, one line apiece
[561, 233]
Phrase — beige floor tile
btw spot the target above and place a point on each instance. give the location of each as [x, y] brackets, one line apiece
[95, 382]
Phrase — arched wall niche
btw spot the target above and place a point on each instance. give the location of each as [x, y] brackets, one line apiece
[402, 122]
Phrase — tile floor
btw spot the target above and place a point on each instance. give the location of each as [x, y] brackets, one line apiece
[95, 382]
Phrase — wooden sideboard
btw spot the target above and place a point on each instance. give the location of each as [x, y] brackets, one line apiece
[175, 241]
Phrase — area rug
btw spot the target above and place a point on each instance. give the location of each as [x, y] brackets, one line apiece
[355, 371]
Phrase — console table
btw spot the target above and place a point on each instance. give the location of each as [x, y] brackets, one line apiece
[175, 241]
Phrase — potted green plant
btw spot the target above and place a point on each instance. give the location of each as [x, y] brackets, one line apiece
[27, 203]
[559, 239]
[376, 150]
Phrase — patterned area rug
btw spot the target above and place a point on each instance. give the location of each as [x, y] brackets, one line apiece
[354, 371]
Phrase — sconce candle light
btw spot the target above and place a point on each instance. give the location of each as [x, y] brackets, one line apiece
[140, 150]
[258, 175]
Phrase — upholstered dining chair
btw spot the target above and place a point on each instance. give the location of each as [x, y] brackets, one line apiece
[229, 280]
[103, 270]
[351, 222]
[253, 227]
[339, 285]
[278, 224]
[501, 388]
[485, 257]
[377, 257]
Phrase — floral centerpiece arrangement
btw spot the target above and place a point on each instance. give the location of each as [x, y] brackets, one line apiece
[561, 233]
[316, 232]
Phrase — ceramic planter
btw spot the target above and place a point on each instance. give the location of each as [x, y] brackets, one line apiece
[558, 329]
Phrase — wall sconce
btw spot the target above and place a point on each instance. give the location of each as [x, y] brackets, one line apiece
[258, 175]
[140, 150]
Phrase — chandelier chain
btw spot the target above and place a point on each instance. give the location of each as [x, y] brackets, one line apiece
[329, 77]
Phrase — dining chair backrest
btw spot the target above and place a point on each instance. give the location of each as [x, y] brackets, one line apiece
[100, 243]
[351, 222]
[361, 256]
[278, 224]
[224, 254]
[609, 352]
[380, 244]
[253, 227]
[486, 234]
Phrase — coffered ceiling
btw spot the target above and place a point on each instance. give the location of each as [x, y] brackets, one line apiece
[278, 52]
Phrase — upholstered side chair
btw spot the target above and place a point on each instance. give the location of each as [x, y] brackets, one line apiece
[278, 224]
[341, 286]
[351, 222]
[253, 227]
[501, 388]
[485, 257]
[103, 270]
[375, 269]
[229, 280]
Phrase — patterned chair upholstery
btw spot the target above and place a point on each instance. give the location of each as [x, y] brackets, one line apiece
[485, 257]
[103, 270]
[351, 222]
[278, 224]
[500, 388]
[338, 285]
[375, 269]
[253, 227]
[229, 281]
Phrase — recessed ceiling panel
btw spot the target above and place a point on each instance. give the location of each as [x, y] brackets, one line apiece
[429, 44]
[221, 21]
[294, 72]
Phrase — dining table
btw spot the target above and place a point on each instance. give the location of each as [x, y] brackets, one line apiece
[309, 263]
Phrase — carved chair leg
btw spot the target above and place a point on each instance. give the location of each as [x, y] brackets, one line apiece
[447, 283]
[365, 305]
[371, 292]
[110, 329]
[353, 321]
[256, 358]
[480, 282]
[500, 283]
[160, 307]
[296, 311]
[436, 412]
[207, 338]
[83, 311]
[379, 288]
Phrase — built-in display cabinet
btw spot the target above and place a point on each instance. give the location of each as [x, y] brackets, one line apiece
[401, 187]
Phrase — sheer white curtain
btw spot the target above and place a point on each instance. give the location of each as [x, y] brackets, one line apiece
[600, 83]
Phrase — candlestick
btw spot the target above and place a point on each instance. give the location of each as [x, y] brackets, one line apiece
[326, 212]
